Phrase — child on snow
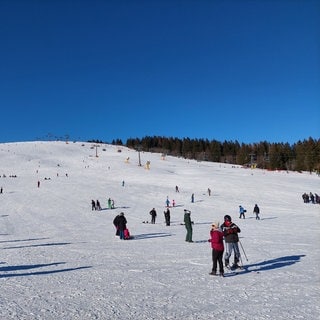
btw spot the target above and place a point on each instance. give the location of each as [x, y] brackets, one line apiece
[217, 249]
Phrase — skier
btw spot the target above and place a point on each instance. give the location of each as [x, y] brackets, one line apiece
[168, 202]
[256, 210]
[188, 224]
[93, 205]
[153, 214]
[312, 197]
[230, 231]
[217, 249]
[305, 198]
[167, 216]
[242, 211]
[98, 206]
[109, 203]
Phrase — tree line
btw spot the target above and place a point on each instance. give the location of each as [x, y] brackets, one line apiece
[301, 156]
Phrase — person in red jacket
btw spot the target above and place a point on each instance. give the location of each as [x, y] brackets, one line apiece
[217, 249]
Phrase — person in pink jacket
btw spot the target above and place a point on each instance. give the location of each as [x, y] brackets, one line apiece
[217, 249]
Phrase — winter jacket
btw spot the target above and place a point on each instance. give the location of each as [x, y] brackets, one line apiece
[187, 220]
[242, 210]
[216, 239]
[230, 232]
[122, 223]
[116, 221]
[256, 209]
[153, 213]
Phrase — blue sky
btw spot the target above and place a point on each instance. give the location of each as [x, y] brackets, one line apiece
[224, 70]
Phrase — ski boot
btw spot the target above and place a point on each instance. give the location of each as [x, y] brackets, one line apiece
[235, 264]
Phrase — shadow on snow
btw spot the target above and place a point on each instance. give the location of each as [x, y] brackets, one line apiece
[31, 239]
[35, 266]
[150, 235]
[274, 263]
[39, 245]
[270, 264]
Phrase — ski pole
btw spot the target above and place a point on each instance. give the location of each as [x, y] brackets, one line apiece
[243, 250]
[241, 262]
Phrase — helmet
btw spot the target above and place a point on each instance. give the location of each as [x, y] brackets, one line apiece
[227, 218]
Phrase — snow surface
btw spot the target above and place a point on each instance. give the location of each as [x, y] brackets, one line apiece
[61, 260]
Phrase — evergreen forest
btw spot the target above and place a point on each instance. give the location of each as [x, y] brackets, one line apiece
[301, 156]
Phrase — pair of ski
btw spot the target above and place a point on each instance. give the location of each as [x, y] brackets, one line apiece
[235, 270]
[231, 271]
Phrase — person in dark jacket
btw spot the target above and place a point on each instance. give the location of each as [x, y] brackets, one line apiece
[230, 231]
[116, 224]
[188, 224]
[217, 249]
[256, 210]
[122, 225]
[167, 216]
[153, 214]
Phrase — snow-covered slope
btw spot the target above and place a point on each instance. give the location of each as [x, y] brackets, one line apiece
[61, 260]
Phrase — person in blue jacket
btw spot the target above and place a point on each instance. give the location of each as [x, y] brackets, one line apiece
[242, 211]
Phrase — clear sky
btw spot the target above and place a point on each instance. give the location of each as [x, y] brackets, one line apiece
[224, 70]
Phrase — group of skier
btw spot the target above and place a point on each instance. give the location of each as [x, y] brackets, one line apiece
[111, 203]
[242, 211]
[166, 213]
[224, 239]
[310, 198]
[95, 205]
[227, 231]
